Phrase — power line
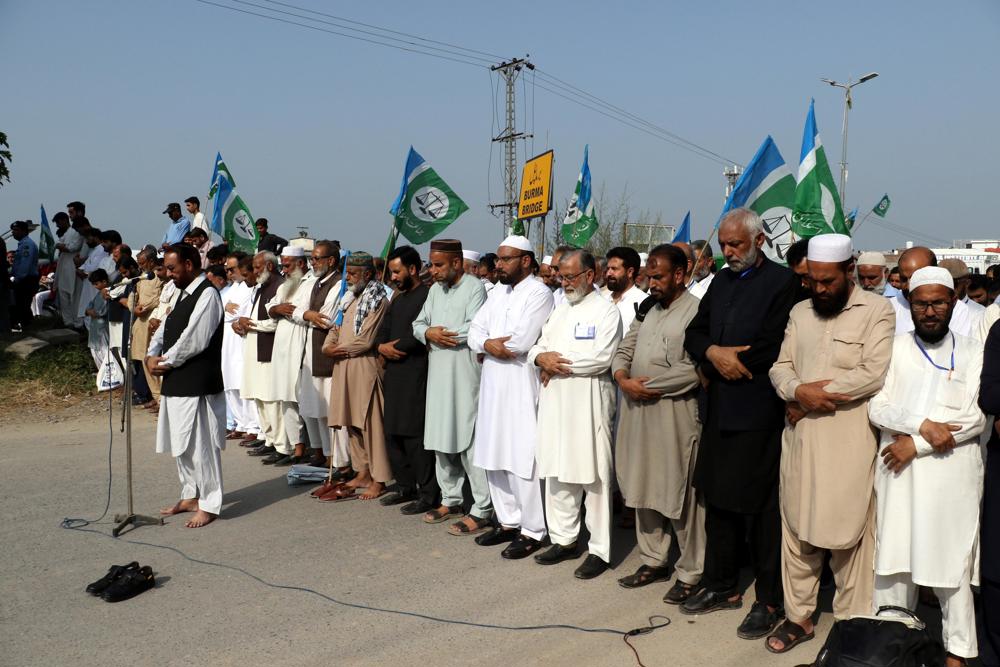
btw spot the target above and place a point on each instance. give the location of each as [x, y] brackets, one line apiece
[340, 34]
[906, 231]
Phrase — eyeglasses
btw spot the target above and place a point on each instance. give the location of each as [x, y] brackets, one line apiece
[569, 279]
[313, 260]
[922, 306]
[511, 258]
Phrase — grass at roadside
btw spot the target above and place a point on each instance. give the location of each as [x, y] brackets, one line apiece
[55, 375]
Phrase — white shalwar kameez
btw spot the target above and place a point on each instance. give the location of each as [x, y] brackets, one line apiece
[243, 412]
[257, 384]
[314, 392]
[627, 304]
[289, 345]
[87, 289]
[508, 401]
[928, 513]
[574, 421]
[67, 284]
[193, 428]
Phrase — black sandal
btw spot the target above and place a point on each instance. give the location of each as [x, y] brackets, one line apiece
[790, 634]
[462, 528]
[645, 575]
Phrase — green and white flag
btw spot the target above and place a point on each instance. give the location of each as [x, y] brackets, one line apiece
[231, 217]
[817, 205]
[220, 171]
[581, 222]
[425, 205]
[882, 207]
[46, 242]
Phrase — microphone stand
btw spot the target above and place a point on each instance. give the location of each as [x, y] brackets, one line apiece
[130, 518]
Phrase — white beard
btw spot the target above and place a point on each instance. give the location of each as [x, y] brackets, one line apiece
[574, 297]
[263, 277]
[358, 288]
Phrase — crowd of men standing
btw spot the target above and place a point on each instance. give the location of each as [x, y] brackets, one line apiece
[797, 414]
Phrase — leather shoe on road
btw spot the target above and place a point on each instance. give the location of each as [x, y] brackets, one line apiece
[593, 566]
[557, 553]
[522, 547]
[705, 601]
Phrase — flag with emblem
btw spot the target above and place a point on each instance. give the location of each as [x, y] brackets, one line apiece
[580, 222]
[767, 187]
[220, 171]
[46, 242]
[817, 205]
[425, 205]
[231, 217]
[882, 207]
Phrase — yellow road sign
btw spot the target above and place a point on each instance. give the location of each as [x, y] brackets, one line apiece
[536, 187]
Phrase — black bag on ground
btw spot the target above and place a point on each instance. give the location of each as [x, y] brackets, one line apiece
[873, 641]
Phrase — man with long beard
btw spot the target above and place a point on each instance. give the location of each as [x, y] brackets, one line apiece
[503, 332]
[929, 484]
[735, 338]
[872, 272]
[257, 327]
[289, 341]
[833, 360]
[356, 400]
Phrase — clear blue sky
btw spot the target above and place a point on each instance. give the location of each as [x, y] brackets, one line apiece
[123, 104]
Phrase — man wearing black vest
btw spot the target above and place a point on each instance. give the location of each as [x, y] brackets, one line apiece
[187, 353]
[734, 339]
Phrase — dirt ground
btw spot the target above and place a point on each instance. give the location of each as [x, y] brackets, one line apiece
[388, 588]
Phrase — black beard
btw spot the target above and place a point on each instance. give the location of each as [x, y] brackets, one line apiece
[929, 335]
[614, 284]
[830, 307]
[404, 285]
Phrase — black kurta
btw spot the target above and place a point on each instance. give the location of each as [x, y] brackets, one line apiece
[737, 467]
[404, 386]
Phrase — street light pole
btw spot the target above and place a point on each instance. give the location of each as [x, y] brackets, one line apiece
[848, 103]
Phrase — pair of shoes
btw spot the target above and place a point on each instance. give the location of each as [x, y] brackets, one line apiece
[522, 547]
[317, 461]
[416, 507]
[645, 575]
[276, 459]
[759, 621]
[123, 582]
[290, 461]
[499, 535]
[462, 527]
[706, 601]
[557, 553]
[397, 498]
[263, 450]
[593, 566]
[680, 592]
[323, 488]
[251, 440]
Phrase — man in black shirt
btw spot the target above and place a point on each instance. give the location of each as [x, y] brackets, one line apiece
[267, 241]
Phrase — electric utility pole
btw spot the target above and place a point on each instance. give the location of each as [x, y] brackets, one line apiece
[509, 135]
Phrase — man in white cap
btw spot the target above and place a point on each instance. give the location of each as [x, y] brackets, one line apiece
[640, 280]
[545, 272]
[289, 342]
[964, 320]
[833, 359]
[470, 261]
[502, 333]
[872, 272]
[929, 482]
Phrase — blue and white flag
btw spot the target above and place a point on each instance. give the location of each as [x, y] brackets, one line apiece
[817, 208]
[767, 187]
[580, 222]
[425, 205]
[231, 217]
[46, 241]
[683, 234]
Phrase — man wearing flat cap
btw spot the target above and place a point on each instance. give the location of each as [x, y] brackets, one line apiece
[179, 226]
[453, 375]
[833, 359]
[929, 483]
[25, 273]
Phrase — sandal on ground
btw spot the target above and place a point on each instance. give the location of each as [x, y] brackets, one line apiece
[463, 528]
[339, 493]
[443, 513]
[790, 635]
[644, 575]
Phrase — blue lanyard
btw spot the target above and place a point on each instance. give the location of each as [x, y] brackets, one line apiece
[916, 339]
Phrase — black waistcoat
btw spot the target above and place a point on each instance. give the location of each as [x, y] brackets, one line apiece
[200, 375]
[265, 340]
[322, 365]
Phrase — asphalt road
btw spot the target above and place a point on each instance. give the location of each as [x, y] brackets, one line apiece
[381, 575]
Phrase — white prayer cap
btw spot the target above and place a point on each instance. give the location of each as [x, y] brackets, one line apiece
[471, 255]
[931, 275]
[293, 251]
[547, 260]
[871, 258]
[519, 242]
[643, 256]
[830, 248]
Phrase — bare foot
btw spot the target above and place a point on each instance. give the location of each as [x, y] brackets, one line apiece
[201, 518]
[374, 490]
[362, 479]
[189, 505]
